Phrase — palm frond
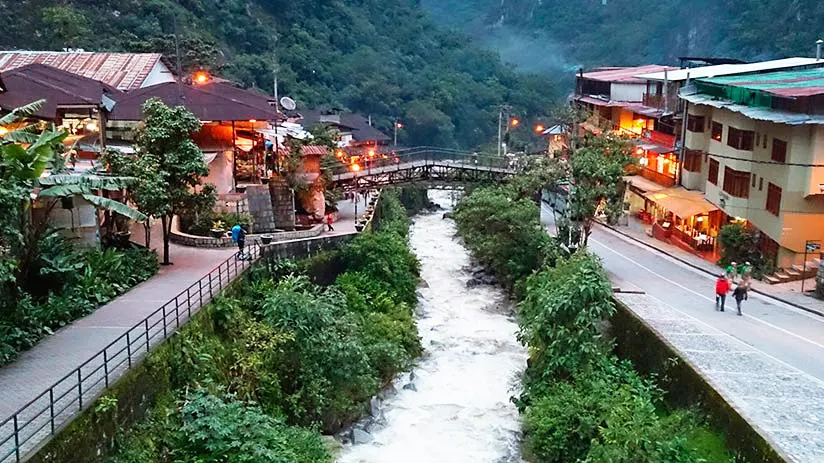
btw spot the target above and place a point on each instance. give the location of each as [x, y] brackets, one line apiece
[115, 206]
[25, 134]
[93, 182]
[60, 191]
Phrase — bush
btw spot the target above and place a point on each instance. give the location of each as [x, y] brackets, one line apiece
[505, 233]
[740, 243]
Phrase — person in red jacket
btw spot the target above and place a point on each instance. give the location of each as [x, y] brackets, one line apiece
[722, 287]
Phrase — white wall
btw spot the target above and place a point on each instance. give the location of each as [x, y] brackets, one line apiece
[159, 74]
[221, 173]
[627, 92]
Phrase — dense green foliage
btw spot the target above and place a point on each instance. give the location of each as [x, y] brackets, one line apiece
[72, 283]
[741, 243]
[580, 402]
[632, 32]
[287, 358]
[385, 59]
[503, 231]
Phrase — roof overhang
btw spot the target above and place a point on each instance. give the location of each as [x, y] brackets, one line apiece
[761, 114]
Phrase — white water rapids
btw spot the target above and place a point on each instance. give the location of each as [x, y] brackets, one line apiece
[460, 411]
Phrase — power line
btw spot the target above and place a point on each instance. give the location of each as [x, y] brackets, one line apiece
[756, 161]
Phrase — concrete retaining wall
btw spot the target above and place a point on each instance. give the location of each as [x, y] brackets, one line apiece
[195, 241]
[685, 386]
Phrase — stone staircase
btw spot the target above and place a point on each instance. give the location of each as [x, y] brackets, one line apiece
[795, 273]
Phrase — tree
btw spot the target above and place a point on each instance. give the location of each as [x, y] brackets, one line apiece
[66, 27]
[172, 162]
[598, 185]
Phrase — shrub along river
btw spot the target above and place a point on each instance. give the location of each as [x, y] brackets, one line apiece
[455, 404]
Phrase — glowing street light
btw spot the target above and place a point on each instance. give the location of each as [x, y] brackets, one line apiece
[3, 131]
[355, 167]
[540, 128]
[514, 122]
[201, 77]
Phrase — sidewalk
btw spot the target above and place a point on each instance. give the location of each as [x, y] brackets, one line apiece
[39, 368]
[788, 293]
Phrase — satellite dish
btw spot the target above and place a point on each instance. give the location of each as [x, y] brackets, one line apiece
[288, 103]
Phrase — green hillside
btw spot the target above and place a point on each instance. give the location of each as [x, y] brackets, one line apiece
[382, 58]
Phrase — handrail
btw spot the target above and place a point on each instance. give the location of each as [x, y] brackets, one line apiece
[71, 394]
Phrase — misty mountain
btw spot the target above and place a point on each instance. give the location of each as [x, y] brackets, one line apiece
[629, 32]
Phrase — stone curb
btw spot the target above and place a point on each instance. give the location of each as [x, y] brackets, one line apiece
[703, 270]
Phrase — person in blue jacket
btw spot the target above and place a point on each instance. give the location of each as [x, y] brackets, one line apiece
[239, 237]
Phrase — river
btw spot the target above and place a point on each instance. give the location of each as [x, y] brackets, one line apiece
[459, 409]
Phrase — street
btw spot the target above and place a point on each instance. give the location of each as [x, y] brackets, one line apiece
[790, 336]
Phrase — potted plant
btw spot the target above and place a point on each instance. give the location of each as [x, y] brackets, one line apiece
[358, 227]
[240, 188]
[266, 239]
[218, 228]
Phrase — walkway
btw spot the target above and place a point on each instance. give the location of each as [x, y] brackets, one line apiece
[769, 363]
[37, 369]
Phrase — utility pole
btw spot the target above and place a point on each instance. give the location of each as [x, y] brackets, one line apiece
[177, 58]
[396, 125]
[275, 72]
[500, 117]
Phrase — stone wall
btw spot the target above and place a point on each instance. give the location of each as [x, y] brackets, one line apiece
[195, 241]
[685, 386]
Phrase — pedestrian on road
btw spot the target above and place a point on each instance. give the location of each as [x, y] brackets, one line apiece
[722, 287]
[731, 270]
[746, 274]
[329, 222]
[740, 294]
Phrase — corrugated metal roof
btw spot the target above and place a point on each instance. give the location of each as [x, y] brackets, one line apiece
[33, 82]
[631, 106]
[626, 75]
[730, 69]
[787, 83]
[753, 112]
[124, 71]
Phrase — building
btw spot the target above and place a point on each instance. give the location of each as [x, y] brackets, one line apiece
[618, 100]
[123, 71]
[755, 147]
[355, 130]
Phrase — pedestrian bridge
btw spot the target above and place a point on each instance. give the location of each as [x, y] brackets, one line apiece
[425, 166]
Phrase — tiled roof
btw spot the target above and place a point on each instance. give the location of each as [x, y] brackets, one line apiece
[211, 102]
[625, 74]
[33, 82]
[124, 71]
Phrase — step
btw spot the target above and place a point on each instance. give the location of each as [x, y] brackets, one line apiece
[771, 279]
[781, 275]
[792, 273]
[799, 268]
[816, 261]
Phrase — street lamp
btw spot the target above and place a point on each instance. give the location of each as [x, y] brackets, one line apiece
[200, 77]
[539, 129]
[514, 122]
[398, 125]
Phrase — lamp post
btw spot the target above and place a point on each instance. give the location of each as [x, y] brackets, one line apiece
[397, 125]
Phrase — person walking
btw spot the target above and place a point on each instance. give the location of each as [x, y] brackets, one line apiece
[740, 294]
[239, 237]
[722, 287]
[746, 274]
[329, 222]
[731, 269]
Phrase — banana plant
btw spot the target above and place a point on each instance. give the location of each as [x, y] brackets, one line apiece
[59, 186]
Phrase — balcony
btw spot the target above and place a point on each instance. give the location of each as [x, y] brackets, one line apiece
[659, 138]
[658, 101]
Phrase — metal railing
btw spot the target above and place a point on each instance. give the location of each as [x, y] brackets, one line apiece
[41, 418]
[427, 154]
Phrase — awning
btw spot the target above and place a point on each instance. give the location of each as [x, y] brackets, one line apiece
[208, 157]
[642, 184]
[681, 202]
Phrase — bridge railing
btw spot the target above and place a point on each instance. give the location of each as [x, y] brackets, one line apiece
[427, 155]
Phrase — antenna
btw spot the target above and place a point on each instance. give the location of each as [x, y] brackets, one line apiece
[179, 71]
[288, 103]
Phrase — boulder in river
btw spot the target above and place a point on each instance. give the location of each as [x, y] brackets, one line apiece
[473, 282]
[410, 387]
[360, 436]
[375, 407]
[477, 270]
[488, 280]
[448, 215]
[423, 283]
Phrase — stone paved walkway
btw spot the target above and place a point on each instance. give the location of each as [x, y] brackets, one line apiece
[784, 402]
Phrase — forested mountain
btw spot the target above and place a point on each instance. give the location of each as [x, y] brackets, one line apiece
[382, 58]
[625, 32]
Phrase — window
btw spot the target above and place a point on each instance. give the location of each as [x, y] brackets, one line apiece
[774, 199]
[695, 123]
[713, 172]
[717, 131]
[753, 180]
[761, 184]
[764, 141]
[757, 139]
[692, 160]
[737, 183]
[741, 139]
[779, 150]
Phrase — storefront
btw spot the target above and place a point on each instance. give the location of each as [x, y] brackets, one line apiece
[685, 218]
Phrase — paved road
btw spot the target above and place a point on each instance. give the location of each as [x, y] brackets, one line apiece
[790, 335]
